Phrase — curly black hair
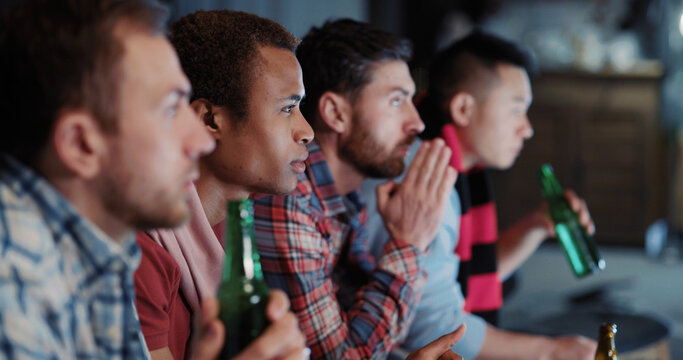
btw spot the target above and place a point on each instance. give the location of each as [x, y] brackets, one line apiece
[219, 52]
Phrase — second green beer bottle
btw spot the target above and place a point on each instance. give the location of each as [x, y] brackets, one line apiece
[579, 247]
[243, 294]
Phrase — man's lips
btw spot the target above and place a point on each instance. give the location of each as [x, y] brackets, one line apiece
[404, 147]
[299, 165]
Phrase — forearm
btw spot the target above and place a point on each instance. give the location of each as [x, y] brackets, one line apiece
[518, 242]
[380, 309]
[503, 345]
[383, 308]
[397, 280]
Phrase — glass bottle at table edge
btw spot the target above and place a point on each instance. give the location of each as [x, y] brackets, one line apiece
[606, 346]
[579, 247]
[243, 293]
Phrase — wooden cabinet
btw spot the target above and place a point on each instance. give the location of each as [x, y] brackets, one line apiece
[601, 133]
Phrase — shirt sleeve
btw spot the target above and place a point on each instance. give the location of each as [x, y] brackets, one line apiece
[297, 250]
[441, 308]
[156, 286]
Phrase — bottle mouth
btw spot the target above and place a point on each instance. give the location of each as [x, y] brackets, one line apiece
[601, 265]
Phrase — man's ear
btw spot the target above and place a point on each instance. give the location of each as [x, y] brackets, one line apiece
[209, 116]
[335, 111]
[462, 108]
[80, 143]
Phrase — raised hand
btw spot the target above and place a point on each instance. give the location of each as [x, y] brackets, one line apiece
[413, 210]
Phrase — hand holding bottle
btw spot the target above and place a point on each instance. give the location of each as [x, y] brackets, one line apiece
[575, 203]
[570, 227]
[282, 339]
[256, 320]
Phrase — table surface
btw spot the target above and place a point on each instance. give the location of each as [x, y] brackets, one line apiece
[631, 283]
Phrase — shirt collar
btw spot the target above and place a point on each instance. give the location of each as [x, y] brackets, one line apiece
[98, 250]
[322, 184]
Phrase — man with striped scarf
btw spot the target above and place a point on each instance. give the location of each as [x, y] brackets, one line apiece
[477, 101]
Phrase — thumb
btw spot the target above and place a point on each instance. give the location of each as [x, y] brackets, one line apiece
[278, 305]
[210, 334]
[384, 193]
[439, 346]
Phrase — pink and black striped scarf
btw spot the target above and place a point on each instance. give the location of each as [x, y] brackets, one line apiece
[478, 274]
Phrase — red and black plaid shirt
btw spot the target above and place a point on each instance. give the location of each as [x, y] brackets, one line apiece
[313, 245]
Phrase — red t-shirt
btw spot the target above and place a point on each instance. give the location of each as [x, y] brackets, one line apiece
[165, 316]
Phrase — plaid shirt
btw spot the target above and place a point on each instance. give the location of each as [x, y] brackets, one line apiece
[313, 245]
[66, 289]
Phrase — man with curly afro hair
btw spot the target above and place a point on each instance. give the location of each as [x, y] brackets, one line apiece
[247, 86]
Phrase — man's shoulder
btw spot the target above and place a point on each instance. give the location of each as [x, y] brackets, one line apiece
[26, 238]
[298, 200]
[158, 269]
[31, 264]
[155, 255]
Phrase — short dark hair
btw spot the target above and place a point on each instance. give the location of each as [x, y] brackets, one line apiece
[339, 56]
[463, 66]
[219, 52]
[59, 54]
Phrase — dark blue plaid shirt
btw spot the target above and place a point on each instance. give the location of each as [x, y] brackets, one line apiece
[66, 288]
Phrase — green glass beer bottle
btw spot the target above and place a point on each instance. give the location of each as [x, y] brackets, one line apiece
[579, 247]
[606, 349]
[243, 294]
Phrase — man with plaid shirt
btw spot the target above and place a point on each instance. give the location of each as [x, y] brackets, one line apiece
[313, 243]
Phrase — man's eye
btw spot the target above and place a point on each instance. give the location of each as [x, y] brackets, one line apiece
[171, 112]
[396, 101]
[288, 109]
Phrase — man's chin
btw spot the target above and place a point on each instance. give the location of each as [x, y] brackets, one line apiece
[505, 164]
[172, 219]
[385, 171]
[283, 190]
[275, 189]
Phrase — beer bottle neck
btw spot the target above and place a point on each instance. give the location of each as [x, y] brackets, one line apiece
[550, 187]
[606, 346]
[241, 257]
